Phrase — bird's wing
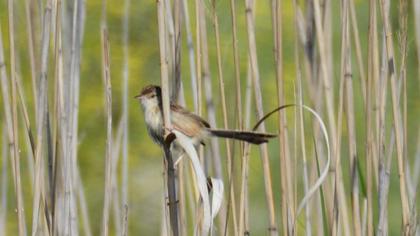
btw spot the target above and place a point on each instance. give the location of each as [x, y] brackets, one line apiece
[186, 121]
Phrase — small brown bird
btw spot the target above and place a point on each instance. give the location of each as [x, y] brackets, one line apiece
[186, 122]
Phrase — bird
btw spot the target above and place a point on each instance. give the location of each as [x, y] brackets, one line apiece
[186, 122]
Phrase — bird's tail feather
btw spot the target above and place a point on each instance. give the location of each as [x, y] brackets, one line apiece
[247, 136]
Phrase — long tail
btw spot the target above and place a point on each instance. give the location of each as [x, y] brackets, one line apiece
[247, 136]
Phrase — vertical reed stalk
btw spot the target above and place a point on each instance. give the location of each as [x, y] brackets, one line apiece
[191, 55]
[225, 121]
[108, 105]
[396, 118]
[272, 228]
[4, 178]
[361, 65]
[173, 206]
[350, 120]
[243, 201]
[371, 76]
[125, 114]
[42, 116]
[236, 63]
[176, 83]
[15, 147]
[31, 51]
[287, 203]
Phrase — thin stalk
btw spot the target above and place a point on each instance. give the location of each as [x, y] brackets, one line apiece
[116, 204]
[206, 76]
[125, 115]
[236, 62]
[191, 55]
[416, 11]
[108, 105]
[31, 51]
[42, 114]
[300, 122]
[397, 119]
[15, 148]
[4, 178]
[371, 76]
[243, 200]
[359, 56]
[198, 58]
[173, 206]
[176, 83]
[350, 120]
[287, 201]
[272, 228]
[74, 88]
[225, 119]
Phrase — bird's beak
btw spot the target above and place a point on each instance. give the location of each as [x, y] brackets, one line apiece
[138, 96]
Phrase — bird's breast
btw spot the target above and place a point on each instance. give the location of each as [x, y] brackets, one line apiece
[153, 118]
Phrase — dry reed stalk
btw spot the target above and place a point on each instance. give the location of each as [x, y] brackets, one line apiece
[12, 110]
[191, 55]
[287, 201]
[198, 58]
[325, 74]
[108, 105]
[60, 134]
[206, 77]
[116, 204]
[307, 36]
[176, 83]
[403, 15]
[272, 228]
[182, 199]
[125, 114]
[236, 63]
[322, 34]
[384, 155]
[199, 88]
[31, 51]
[243, 200]
[71, 105]
[308, 220]
[181, 182]
[231, 201]
[416, 11]
[354, 176]
[372, 74]
[356, 37]
[77, 35]
[41, 122]
[345, 82]
[350, 120]
[238, 96]
[170, 46]
[83, 206]
[324, 42]
[396, 119]
[299, 116]
[173, 205]
[59, 207]
[4, 180]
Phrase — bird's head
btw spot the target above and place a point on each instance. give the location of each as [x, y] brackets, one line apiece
[149, 96]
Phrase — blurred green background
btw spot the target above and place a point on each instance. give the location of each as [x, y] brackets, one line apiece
[145, 158]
